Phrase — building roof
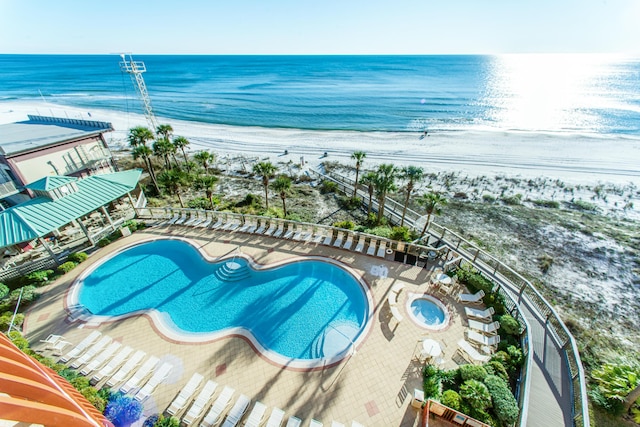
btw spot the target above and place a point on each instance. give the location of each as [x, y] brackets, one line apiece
[40, 216]
[49, 183]
[40, 131]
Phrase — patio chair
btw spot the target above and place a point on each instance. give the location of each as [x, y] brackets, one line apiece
[193, 219]
[479, 314]
[56, 348]
[237, 411]
[140, 375]
[113, 364]
[219, 222]
[248, 227]
[306, 235]
[260, 228]
[382, 250]
[471, 298]
[200, 403]
[483, 339]
[52, 339]
[360, 245]
[185, 395]
[101, 358]
[294, 422]
[256, 415]
[474, 356]
[339, 239]
[276, 417]
[158, 376]
[347, 245]
[82, 346]
[487, 328]
[371, 250]
[328, 239]
[126, 369]
[231, 225]
[271, 229]
[279, 230]
[206, 222]
[318, 236]
[91, 352]
[176, 218]
[182, 219]
[291, 229]
[217, 409]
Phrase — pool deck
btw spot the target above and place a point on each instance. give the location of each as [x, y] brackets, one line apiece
[373, 387]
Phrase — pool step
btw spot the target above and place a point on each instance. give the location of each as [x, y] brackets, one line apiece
[232, 271]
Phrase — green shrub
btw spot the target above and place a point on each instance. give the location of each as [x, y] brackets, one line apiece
[401, 234]
[584, 206]
[250, 200]
[547, 204]
[496, 301]
[450, 379]
[38, 278]
[80, 382]
[472, 372]
[474, 280]
[516, 356]
[516, 199]
[488, 198]
[432, 384]
[505, 405]
[347, 225]
[476, 394]
[77, 257]
[545, 262]
[66, 267]
[328, 187]
[29, 295]
[349, 203]
[199, 203]
[496, 368]
[382, 231]
[509, 325]
[5, 320]
[451, 399]
[19, 341]
[4, 290]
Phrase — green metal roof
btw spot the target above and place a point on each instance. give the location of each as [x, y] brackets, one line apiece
[40, 216]
[50, 182]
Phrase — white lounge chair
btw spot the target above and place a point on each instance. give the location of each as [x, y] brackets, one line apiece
[318, 237]
[219, 222]
[279, 230]
[232, 225]
[256, 415]
[193, 219]
[315, 423]
[474, 355]
[487, 328]
[217, 409]
[248, 227]
[360, 245]
[328, 239]
[479, 314]
[349, 242]
[276, 417]
[339, 239]
[206, 222]
[185, 395]
[382, 250]
[483, 339]
[356, 424]
[294, 422]
[471, 298]
[82, 346]
[101, 358]
[200, 403]
[126, 369]
[91, 352]
[290, 231]
[113, 364]
[52, 339]
[271, 229]
[140, 375]
[260, 228]
[56, 349]
[371, 250]
[178, 219]
[336, 424]
[158, 376]
[237, 411]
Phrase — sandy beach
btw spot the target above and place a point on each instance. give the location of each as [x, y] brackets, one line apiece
[576, 159]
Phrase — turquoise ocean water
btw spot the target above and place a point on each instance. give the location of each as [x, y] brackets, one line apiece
[549, 93]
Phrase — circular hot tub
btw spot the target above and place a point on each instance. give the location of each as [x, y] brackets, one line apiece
[428, 312]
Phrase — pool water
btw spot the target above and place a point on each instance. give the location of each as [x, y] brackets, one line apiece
[428, 312]
[294, 309]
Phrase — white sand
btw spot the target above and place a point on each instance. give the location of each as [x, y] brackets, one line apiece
[572, 158]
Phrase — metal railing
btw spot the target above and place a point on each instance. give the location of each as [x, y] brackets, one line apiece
[510, 282]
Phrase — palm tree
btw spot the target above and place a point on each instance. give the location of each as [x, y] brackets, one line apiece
[164, 131]
[174, 181]
[282, 185]
[139, 135]
[369, 179]
[413, 175]
[162, 148]
[359, 157]
[384, 183]
[144, 152]
[431, 203]
[180, 142]
[205, 158]
[266, 170]
[208, 184]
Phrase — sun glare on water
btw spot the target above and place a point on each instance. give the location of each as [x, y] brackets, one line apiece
[548, 92]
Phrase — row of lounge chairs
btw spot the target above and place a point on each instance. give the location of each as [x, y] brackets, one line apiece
[202, 396]
[280, 229]
[481, 335]
[100, 358]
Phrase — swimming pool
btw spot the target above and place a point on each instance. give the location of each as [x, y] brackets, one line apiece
[308, 309]
[427, 311]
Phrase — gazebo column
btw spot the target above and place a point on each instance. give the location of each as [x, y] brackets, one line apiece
[86, 232]
[104, 211]
[133, 203]
[51, 253]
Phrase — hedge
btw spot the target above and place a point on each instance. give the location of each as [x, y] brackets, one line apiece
[473, 372]
[505, 405]
[66, 267]
[452, 399]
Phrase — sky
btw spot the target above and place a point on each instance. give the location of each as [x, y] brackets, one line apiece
[319, 26]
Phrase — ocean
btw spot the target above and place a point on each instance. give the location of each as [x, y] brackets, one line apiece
[581, 94]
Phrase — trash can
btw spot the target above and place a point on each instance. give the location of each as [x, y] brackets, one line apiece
[418, 398]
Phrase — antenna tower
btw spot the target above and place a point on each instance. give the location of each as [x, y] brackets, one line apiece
[135, 70]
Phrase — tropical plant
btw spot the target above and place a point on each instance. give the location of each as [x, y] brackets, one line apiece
[139, 135]
[77, 257]
[174, 181]
[163, 148]
[207, 184]
[384, 183]
[504, 404]
[359, 157]
[369, 180]
[413, 175]
[204, 158]
[431, 202]
[164, 131]
[473, 372]
[4, 290]
[180, 142]
[510, 325]
[66, 267]
[282, 185]
[618, 386]
[452, 399]
[267, 171]
[144, 152]
[476, 394]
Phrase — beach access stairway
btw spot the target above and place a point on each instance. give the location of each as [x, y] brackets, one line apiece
[552, 364]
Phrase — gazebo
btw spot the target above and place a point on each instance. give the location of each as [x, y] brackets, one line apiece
[60, 200]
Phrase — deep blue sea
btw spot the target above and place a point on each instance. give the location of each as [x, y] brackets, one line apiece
[549, 93]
